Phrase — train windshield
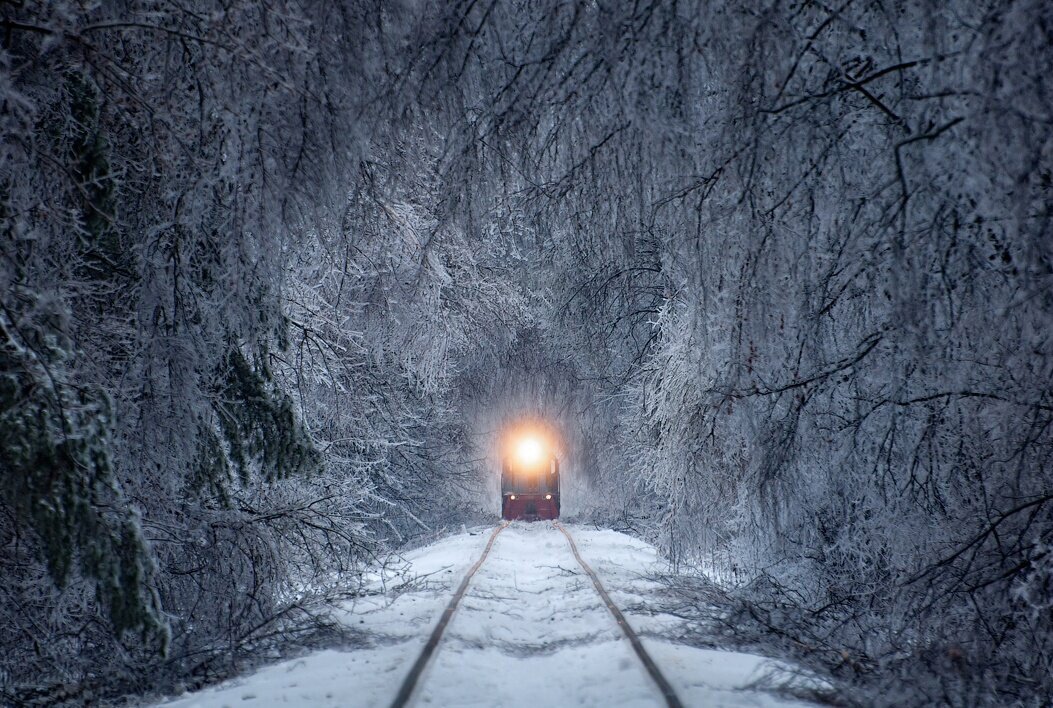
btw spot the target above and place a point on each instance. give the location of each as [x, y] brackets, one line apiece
[539, 478]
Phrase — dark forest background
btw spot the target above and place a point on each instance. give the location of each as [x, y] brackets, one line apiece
[271, 272]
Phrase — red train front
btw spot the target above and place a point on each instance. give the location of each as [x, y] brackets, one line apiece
[529, 479]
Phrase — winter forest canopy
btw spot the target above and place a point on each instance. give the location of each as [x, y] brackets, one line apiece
[273, 273]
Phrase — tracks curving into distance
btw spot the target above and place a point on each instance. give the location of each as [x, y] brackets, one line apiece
[409, 684]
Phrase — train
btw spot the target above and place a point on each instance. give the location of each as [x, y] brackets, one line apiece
[529, 479]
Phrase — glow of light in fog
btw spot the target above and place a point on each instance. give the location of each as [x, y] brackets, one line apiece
[529, 451]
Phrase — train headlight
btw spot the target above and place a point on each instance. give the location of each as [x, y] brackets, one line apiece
[529, 451]
[512, 497]
[548, 496]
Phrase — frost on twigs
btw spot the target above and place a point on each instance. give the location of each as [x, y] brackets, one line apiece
[58, 480]
[273, 276]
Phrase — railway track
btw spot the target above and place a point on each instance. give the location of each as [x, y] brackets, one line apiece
[410, 684]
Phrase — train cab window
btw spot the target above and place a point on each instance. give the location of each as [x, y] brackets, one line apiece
[528, 481]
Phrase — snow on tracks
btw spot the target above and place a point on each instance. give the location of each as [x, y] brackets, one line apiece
[530, 631]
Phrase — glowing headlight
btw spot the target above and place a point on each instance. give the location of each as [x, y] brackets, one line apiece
[512, 497]
[548, 496]
[529, 451]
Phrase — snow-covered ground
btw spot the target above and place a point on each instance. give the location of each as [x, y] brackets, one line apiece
[531, 631]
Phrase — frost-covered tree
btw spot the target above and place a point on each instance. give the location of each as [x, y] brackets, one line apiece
[807, 247]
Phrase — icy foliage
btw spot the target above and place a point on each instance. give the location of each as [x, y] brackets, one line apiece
[801, 256]
[274, 274]
[232, 315]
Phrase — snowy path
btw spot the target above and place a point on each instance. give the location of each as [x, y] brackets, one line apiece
[535, 634]
[530, 631]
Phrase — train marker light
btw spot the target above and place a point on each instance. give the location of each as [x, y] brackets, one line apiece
[529, 451]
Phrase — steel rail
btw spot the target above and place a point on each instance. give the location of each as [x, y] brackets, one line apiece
[410, 682]
[664, 686]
